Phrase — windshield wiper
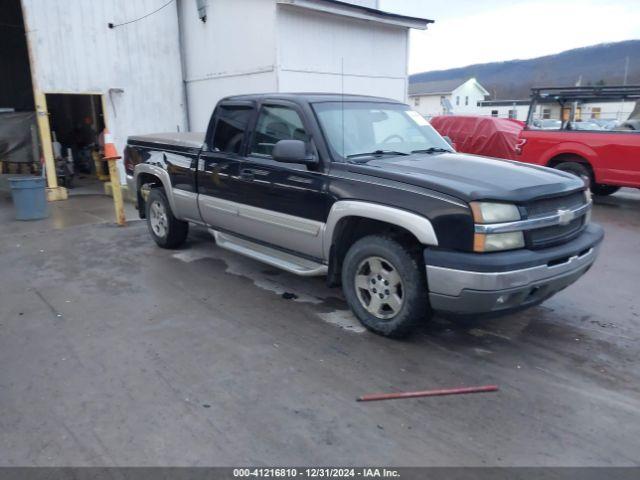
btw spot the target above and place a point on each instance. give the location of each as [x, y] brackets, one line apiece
[376, 153]
[432, 150]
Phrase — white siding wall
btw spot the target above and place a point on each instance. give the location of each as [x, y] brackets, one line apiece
[468, 89]
[282, 48]
[312, 46]
[503, 111]
[608, 110]
[234, 52]
[429, 105]
[75, 52]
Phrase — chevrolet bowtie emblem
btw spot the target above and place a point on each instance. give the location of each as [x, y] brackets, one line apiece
[565, 216]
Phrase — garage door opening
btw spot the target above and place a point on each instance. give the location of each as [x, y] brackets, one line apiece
[76, 122]
[19, 150]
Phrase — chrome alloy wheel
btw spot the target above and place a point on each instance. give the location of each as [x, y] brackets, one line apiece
[158, 219]
[379, 287]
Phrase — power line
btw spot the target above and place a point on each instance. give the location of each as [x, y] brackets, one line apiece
[114, 25]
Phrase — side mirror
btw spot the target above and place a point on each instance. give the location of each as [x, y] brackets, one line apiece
[292, 151]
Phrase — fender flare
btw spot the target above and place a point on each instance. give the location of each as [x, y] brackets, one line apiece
[570, 148]
[161, 174]
[418, 225]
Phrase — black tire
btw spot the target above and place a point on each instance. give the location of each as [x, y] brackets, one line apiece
[414, 306]
[174, 232]
[577, 169]
[603, 190]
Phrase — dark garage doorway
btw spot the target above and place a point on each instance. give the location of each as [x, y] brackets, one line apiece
[76, 121]
[16, 90]
[19, 145]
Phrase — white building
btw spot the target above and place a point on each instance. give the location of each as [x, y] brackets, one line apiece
[515, 109]
[447, 97]
[291, 46]
[519, 110]
[152, 65]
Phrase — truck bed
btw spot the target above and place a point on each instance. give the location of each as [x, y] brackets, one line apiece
[177, 139]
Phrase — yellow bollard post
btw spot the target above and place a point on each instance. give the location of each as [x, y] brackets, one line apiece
[117, 192]
[54, 191]
[111, 156]
[97, 161]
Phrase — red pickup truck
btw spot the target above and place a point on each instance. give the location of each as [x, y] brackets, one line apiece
[593, 132]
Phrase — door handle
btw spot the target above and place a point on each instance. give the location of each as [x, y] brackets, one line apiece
[247, 174]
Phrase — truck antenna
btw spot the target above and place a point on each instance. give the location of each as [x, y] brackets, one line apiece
[342, 100]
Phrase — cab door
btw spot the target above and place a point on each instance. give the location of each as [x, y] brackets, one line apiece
[283, 204]
[219, 164]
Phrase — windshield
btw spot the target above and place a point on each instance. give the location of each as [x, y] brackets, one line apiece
[373, 128]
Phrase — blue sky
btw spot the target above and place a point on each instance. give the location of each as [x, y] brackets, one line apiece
[473, 31]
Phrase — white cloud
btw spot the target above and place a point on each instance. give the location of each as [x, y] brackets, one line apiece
[469, 32]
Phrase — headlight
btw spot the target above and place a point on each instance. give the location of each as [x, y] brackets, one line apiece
[493, 212]
[493, 242]
[489, 212]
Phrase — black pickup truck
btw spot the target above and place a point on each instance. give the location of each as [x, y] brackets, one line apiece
[364, 191]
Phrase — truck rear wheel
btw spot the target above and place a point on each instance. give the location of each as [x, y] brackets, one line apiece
[164, 227]
[385, 286]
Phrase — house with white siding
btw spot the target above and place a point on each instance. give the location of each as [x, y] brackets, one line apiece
[440, 97]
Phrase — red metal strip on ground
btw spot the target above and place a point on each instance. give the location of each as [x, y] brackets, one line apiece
[427, 393]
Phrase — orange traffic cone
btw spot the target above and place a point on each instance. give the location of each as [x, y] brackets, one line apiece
[110, 152]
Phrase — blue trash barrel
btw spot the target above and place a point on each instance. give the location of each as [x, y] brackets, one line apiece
[29, 197]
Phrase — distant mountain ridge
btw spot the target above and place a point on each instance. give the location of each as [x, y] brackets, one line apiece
[513, 79]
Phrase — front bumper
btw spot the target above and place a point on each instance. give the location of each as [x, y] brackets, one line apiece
[472, 283]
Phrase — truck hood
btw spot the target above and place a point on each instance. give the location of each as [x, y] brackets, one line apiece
[470, 177]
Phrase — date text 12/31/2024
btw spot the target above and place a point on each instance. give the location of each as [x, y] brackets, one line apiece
[324, 472]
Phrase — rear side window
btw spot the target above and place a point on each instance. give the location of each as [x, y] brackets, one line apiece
[230, 126]
[276, 123]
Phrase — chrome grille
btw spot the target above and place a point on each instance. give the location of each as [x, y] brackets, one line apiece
[548, 236]
[555, 234]
[550, 206]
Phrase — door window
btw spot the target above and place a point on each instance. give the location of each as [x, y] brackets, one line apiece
[230, 127]
[276, 123]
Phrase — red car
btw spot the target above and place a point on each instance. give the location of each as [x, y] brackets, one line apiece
[593, 132]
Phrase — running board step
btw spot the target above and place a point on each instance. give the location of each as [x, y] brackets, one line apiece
[271, 256]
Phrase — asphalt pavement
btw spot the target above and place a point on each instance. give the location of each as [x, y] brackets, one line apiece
[116, 352]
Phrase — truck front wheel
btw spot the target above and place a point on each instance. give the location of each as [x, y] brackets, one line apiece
[164, 227]
[385, 285]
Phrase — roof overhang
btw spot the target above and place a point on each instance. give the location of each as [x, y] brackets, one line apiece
[336, 7]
